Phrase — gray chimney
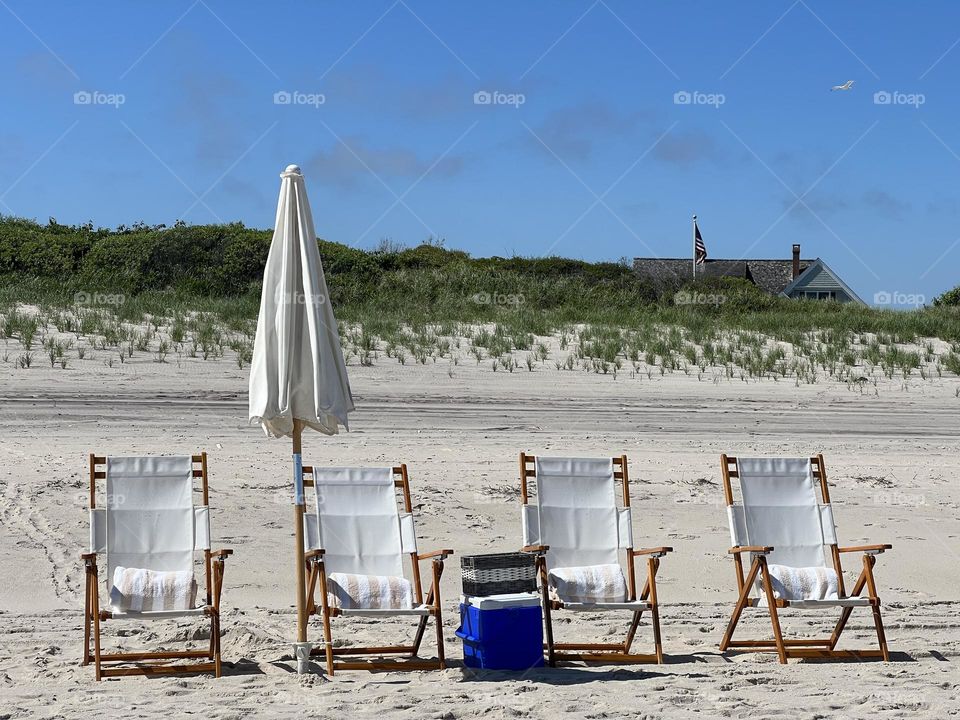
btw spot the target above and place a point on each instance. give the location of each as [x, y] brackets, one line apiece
[796, 261]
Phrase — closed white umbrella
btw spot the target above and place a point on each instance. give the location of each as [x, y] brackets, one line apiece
[297, 375]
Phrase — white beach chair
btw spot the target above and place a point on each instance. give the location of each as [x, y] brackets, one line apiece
[791, 536]
[150, 523]
[357, 540]
[578, 530]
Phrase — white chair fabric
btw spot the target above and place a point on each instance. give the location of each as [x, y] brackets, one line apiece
[780, 509]
[98, 529]
[358, 521]
[736, 517]
[201, 527]
[408, 533]
[577, 512]
[149, 520]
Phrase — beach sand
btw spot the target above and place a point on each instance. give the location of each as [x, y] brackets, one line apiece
[893, 459]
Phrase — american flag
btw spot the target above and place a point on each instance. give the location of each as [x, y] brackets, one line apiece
[700, 250]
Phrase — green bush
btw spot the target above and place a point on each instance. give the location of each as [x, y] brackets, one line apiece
[951, 298]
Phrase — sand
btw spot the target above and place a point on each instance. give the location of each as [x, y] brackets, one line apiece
[892, 457]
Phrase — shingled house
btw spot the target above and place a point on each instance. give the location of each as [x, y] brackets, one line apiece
[794, 278]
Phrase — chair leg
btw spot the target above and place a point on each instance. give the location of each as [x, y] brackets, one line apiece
[845, 613]
[86, 622]
[215, 634]
[327, 637]
[868, 563]
[320, 571]
[635, 623]
[422, 622]
[547, 620]
[652, 564]
[96, 641]
[214, 568]
[772, 607]
[631, 633]
[881, 636]
[741, 604]
[421, 626]
[212, 650]
[437, 618]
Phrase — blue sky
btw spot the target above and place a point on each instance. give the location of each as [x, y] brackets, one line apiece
[583, 151]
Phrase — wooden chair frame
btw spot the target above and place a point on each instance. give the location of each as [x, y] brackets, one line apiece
[600, 652]
[806, 648]
[213, 562]
[316, 572]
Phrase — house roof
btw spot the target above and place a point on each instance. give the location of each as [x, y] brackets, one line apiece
[769, 275]
[823, 267]
[774, 275]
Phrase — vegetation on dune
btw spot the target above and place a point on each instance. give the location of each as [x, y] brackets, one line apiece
[951, 298]
[193, 292]
[219, 268]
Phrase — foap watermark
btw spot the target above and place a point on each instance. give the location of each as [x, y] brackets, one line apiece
[295, 97]
[98, 298]
[686, 297]
[496, 97]
[287, 496]
[895, 97]
[685, 97]
[96, 97]
[498, 299]
[897, 298]
[108, 500]
[299, 298]
[898, 498]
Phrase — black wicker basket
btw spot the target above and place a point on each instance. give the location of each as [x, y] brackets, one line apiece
[498, 574]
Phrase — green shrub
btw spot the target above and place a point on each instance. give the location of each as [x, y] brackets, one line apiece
[951, 298]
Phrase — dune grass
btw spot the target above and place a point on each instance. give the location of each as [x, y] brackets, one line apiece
[192, 293]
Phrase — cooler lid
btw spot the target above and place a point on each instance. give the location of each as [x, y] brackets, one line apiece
[499, 602]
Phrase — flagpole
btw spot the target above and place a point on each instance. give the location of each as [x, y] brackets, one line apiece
[694, 231]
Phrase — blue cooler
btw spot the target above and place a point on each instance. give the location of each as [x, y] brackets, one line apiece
[501, 632]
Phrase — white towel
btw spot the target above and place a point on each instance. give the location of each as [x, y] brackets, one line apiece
[140, 590]
[806, 583]
[369, 592]
[591, 584]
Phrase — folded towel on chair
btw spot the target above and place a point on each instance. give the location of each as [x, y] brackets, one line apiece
[140, 590]
[369, 592]
[591, 584]
[806, 583]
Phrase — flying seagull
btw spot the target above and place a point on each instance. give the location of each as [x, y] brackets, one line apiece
[848, 85]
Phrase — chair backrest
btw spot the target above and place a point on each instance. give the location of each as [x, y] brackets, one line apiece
[780, 508]
[149, 519]
[358, 522]
[149, 513]
[576, 512]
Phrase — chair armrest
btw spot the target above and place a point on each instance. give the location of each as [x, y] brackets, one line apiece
[866, 549]
[442, 554]
[314, 555]
[759, 549]
[538, 549]
[653, 552]
[89, 558]
[224, 553]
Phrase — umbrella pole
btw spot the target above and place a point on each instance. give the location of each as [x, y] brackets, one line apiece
[298, 512]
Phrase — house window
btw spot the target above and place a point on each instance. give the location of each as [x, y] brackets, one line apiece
[819, 295]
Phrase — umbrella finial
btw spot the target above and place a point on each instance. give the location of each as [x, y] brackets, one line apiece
[294, 169]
